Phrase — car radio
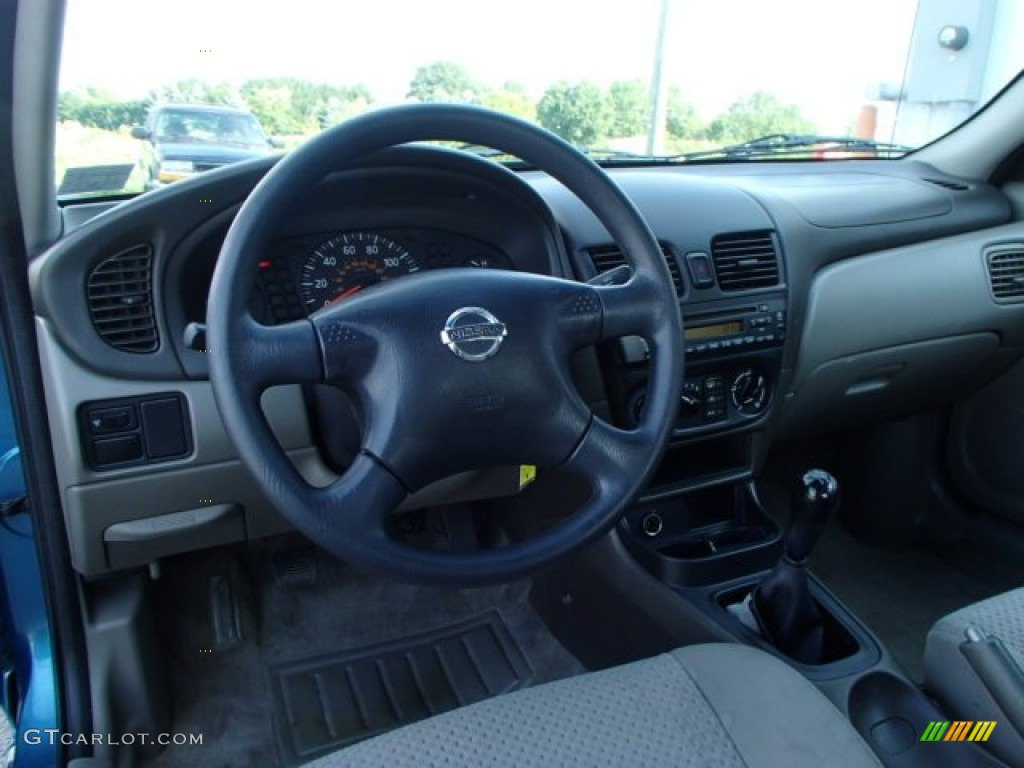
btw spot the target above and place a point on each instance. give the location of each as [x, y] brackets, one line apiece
[735, 330]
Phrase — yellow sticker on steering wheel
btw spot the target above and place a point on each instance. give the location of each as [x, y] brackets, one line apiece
[527, 474]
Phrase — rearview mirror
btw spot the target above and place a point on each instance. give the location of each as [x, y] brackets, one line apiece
[138, 132]
[275, 141]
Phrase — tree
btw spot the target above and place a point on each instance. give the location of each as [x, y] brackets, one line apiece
[580, 113]
[271, 101]
[760, 114]
[443, 81]
[287, 105]
[683, 120]
[512, 99]
[630, 105]
[192, 90]
[99, 109]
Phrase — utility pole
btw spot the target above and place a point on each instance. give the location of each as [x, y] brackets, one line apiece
[658, 115]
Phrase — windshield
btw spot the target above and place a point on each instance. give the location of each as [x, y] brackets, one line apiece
[197, 126]
[630, 82]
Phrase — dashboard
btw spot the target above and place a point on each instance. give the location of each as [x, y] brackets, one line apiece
[814, 296]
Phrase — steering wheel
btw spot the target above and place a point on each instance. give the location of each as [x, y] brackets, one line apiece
[454, 370]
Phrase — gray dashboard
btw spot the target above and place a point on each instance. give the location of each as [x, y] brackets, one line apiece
[882, 268]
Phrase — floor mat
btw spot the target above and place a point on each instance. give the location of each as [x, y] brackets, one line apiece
[228, 695]
[331, 701]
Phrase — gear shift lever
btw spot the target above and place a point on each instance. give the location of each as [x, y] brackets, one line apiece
[782, 604]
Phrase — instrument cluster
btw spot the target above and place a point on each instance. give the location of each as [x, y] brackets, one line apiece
[304, 274]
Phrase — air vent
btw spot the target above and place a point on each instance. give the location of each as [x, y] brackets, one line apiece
[1006, 272]
[745, 260]
[120, 296]
[607, 257]
[956, 186]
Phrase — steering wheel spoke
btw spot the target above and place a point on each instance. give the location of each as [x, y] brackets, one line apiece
[363, 497]
[631, 309]
[608, 457]
[279, 354]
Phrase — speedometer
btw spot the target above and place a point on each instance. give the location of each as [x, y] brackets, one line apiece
[348, 263]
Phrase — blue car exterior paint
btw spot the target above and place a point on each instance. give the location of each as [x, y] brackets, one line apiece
[32, 694]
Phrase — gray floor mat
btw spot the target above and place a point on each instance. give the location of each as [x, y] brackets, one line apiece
[227, 697]
[331, 701]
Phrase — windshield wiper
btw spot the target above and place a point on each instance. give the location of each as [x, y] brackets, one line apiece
[599, 155]
[604, 155]
[491, 153]
[782, 144]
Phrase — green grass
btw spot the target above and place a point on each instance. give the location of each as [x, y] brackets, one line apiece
[79, 146]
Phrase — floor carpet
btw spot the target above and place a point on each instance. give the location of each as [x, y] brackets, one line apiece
[899, 594]
[227, 694]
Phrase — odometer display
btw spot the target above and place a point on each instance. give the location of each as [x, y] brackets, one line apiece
[348, 263]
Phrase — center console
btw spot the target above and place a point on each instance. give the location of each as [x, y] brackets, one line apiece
[733, 360]
[717, 550]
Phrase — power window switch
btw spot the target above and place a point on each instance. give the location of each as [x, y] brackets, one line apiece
[105, 421]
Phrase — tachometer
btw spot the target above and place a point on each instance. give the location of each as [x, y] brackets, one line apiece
[348, 263]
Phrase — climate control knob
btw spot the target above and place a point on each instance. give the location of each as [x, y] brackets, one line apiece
[750, 392]
[691, 399]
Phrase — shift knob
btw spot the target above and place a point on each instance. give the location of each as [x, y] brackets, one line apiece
[815, 500]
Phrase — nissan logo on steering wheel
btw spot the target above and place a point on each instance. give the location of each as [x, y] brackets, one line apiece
[473, 334]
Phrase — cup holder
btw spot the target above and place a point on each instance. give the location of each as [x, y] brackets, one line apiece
[703, 537]
[710, 544]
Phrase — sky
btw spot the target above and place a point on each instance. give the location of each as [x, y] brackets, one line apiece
[821, 55]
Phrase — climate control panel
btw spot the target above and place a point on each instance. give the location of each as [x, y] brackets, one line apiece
[722, 397]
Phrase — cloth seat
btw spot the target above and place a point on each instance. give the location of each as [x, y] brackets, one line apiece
[720, 705]
[951, 678]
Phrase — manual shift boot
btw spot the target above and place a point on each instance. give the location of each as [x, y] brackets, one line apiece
[782, 604]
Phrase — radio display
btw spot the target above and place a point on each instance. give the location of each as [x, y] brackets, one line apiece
[713, 331]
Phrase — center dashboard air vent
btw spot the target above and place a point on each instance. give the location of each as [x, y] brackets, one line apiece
[1006, 271]
[745, 261]
[605, 258]
[120, 298]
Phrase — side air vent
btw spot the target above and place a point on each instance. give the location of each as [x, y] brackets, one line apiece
[745, 260]
[1006, 271]
[120, 294]
[607, 257]
[956, 186]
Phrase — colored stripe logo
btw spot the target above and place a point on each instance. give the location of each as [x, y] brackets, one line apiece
[958, 730]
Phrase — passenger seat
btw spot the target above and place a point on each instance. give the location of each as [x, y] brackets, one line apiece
[974, 664]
